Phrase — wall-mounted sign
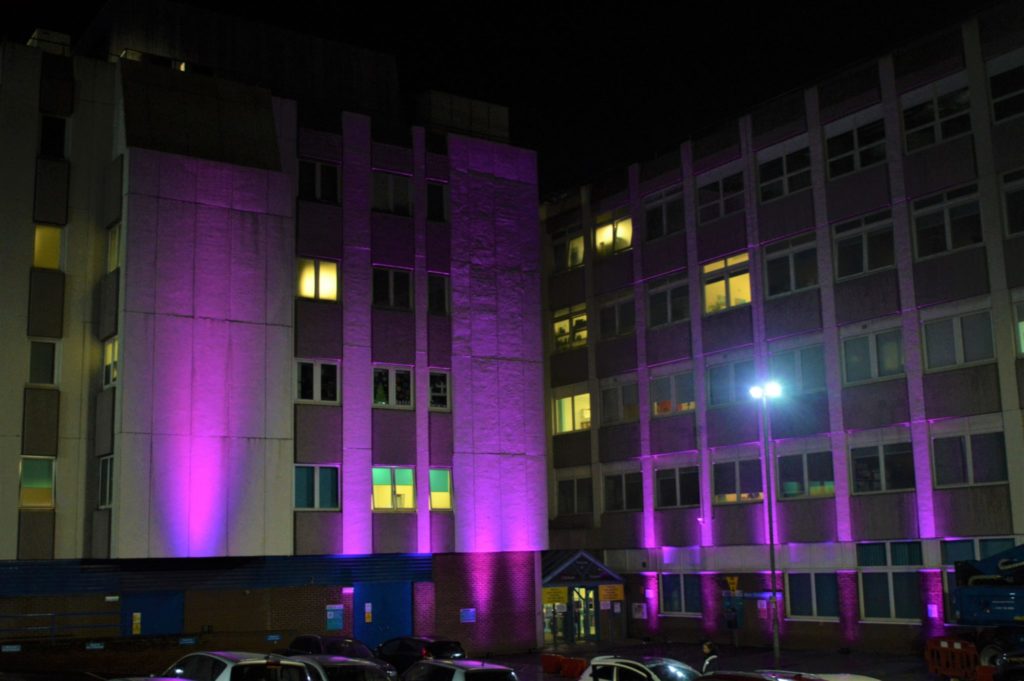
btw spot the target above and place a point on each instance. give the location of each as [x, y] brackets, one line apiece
[10, 648]
[368, 613]
[111, 599]
[273, 637]
[95, 645]
[560, 607]
[187, 641]
[554, 594]
[611, 592]
[733, 581]
[467, 615]
[335, 617]
[606, 605]
[639, 611]
[617, 607]
[136, 623]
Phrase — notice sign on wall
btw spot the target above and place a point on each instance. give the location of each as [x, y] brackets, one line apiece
[639, 611]
[368, 613]
[611, 592]
[467, 615]
[335, 617]
[136, 623]
[554, 594]
[606, 605]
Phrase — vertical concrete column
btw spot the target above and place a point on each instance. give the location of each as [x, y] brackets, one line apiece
[422, 369]
[593, 385]
[849, 606]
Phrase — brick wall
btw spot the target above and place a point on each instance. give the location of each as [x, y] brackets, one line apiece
[423, 608]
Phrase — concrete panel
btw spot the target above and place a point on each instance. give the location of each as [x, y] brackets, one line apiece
[571, 449]
[569, 367]
[320, 145]
[106, 324]
[1013, 255]
[849, 92]
[858, 193]
[394, 336]
[720, 237]
[873, 405]
[800, 415]
[278, 489]
[790, 214]
[169, 496]
[175, 255]
[677, 527]
[613, 273]
[867, 297]
[442, 532]
[391, 157]
[41, 421]
[318, 230]
[616, 355]
[439, 341]
[136, 376]
[51, 200]
[35, 534]
[57, 85]
[280, 269]
[99, 540]
[806, 520]
[738, 524]
[962, 392]
[929, 60]
[248, 292]
[621, 530]
[939, 166]
[1006, 148]
[247, 381]
[666, 254]
[566, 289]
[441, 438]
[972, 511]
[317, 433]
[318, 329]
[439, 243]
[130, 521]
[890, 515]
[139, 236]
[246, 525]
[730, 329]
[618, 442]
[103, 420]
[211, 343]
[207, 530]
[213, 262]
[318, 533]
[394, 437]
[732, 424]
[954, 276]
[394, 533]
[576, 521]
[46, 303]
[799, 312]
[391, 240]
[280, 366]
[673, 433]
[172, 382]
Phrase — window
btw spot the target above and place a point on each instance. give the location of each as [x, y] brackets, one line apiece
[801, 370]
[624, 492]
[392, 288]
[855, 149]
[113, 246]
[617, 318]
[1020, 328]
[812, 594]
[572, 413]
[947, 221]
[440, 489]
[941, 117]
[437, 294]
[316, 381]
[440, 394]
[1007, 90]
[887, 593]
[728, 383]
[668, 301]
[52, 137]
[966, 549]
[567, 247]
[394, 489]
[570, 327]
[1013, 190]
[882, 468]
[806, 475]
[391, 193]
[319, 182]
[663, 214]
[316, 488]
[42, 365]
[791, 265]
[36, 482]
[726, 283]
[678, 487]
[437, 201]
[874, 356]
[720, 197]
[392, 387]
[864, 245]
[958, 340]
[105, 498]
[318, 279]
[736, 481]
[48, 247]
[613, 236]
[672, 394]
[681, 595]
[575, 496]
[785, 174]
[110, 361]
[619, 402]
[973, 459]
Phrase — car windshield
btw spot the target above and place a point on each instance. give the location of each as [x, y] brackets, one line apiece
[490, 675]
[354, 673]
[265, 672]
[673, 672]
[348, 649]
[445, 649]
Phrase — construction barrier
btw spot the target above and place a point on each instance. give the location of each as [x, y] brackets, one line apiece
[551, 663]
[954, 658]
[572, 667]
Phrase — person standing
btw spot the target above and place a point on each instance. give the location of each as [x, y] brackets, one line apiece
[710, 663]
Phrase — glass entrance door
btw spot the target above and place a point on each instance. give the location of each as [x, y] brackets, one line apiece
[583, 601]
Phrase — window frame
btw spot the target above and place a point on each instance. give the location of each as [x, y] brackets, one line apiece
[738, 393]
[660, 202]
[967, 450]
[788, 177]
[806, 492]
[889, 569]
[577, 338]
[934, 96]
[52, 461]
[945, 202]
[728, 268]
[858, 148]
[677, 473]
[447, 406]
[713, 202]
[392, 402]
[863, 229]
[882, 471]
[626, 479]
[800, 385]
[40, 244]
[392, 289]
[113, 257]
[431, 203]
[740, 496]
[873, 357]
[446, 308]
[1019, 310]
[55, 378]
[105, 482]
[623, 314]
[391, 204]
[625, 223]
[393, 507]
[676, 404]
[317, 505]
[815, 604]
[1002, 69]
[588, 411]
[318, 295]
[318, 181]
[949, 573]
[668, 286]
[568, 237]
[111, 362]
[789, 249]
[959, 359]
[450, 508]
[619, 388]
[577, 481]
[684, 592]
[318, 365]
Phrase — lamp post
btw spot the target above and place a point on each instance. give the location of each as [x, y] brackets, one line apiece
[764, 392]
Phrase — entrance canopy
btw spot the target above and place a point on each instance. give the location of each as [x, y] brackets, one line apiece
[562, 568]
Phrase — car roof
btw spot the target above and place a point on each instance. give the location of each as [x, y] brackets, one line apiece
[334, 660]
[467, 665]
[237, 656]
[639, 659]
[425, 639]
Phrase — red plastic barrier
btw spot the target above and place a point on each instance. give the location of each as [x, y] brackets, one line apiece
[955, 658]
[551, 664]
[572, 667]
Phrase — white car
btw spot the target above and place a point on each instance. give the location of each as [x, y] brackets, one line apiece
[780, 675]
[641, 668]
[235, 666]
[338, 668]
[457, 670]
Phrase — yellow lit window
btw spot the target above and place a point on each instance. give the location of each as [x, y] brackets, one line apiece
[570, 327]
[440, 489]
[726, 283]
[613, 236]
[110, 361]
[394, 489]
[317, 279]
[36, 482]
[572, 413]
[47, 247]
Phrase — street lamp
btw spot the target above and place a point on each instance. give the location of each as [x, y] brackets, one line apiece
[763, 393]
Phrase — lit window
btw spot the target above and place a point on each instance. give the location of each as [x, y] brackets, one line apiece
[319, 182]
[728, 383]
[1020, 328]
[864, 245]
[668, 301]
[736, 481]
[1013, 193]
[440, 489]
[394, 489]
[110, 361]
[672, 394]
[52, 137]
[316, 488]
[812, 594]
[392, 193]
[942, 116]
[392, 387]
[572, 413]
[36, 482]
[877, 355]
[48, 247]
[440, 393]
[567, 248]
[105, 498]
[958, 340]
[785, 174]
[437, 294]
[791, 265]
[806, 475]
[664, 215]
[947, 221]
[318, 279]
[437, 201]
[619, 403]
[570, 327]
[680, 595]
[575, 496]
[42, 367]
[887, 593]
[624, 492]
[392, 288]
[854, 149]
[726, 283]
[677, 487]
[614, 236]
[316, 381]
[882, 468]
[1007, 88]
[617, 318]
[113, 246]
[720, 197]
[801, 370]
[973, 459]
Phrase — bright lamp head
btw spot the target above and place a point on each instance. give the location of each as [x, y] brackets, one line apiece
[756, 391]
[773, 389]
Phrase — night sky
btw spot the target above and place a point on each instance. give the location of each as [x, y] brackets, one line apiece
[592, 86]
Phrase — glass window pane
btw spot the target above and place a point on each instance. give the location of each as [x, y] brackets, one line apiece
[812, 368]
[820, 479]
[990, 547]
[623, 234]
[566, 497]
[783, 367]
[977, 337]
[630, 402]
[950, 461]
[584, 495]
[661, 396]
[778, 276]
[725, 481]
[871, 555]
[610, 405]
[329, 183]
[800, 596]
[906, 553]
[328, 487]
[381, 387]
[306, 278]
[692, 594]
[404, 488]
[684, 396]
[750, 479]
[328, 280]
[329, 382]
[743, 378]
[867, 472]
[563, 415]
[41, 363]
[890, 353]
[666, 485]
[988, 457]
[805, 268]
[931, 234]
[826, 592]
[952, 551]
[581, 406]
[307, 180]
[965, 225]
[614, 497]
[899, 466]
[720, 384]
[603, 237]
[857, 359]
[403, 387]
[36, 483]
[714, 295]
[401, 289]
[306, 385]
[875, 586]
[440, 489]
[680, 303]
[880, 249]
[47, 247]
[940, 344]
[791, 475]
[689, 486]
[658, 308]
[906, 588]
[304, 486]
[381, 287]
[634, 491]
[739, 289]
[849, 256]
[671, 593]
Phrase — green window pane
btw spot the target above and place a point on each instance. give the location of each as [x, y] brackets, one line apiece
[304, 486]
[403, 476]
[440, 481]
[328, 487]
[382, 476]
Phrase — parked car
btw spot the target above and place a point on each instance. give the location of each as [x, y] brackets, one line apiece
[641, 668]
[235, 666]
[338, 646]
[457, 670]
[405, 650]
[783, 675]
[340, 668]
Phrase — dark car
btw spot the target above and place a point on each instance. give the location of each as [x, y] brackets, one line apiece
[405, 650]
[337, 646]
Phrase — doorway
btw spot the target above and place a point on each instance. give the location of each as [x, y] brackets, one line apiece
[583, 603]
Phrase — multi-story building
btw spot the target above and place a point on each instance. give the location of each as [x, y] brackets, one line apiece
[861, 242]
